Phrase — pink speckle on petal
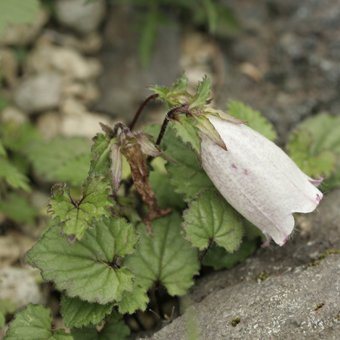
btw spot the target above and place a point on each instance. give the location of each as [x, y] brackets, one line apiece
[234, 166]
[245, 171]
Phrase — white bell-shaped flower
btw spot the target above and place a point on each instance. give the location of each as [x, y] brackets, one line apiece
[258, 179]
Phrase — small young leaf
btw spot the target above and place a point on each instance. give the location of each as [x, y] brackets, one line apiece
[211, 219]
[114, 329]
[61, 159]
[252, 118]
[87, 269]
[78, 215]
[164, 256]
[218, 258]
[79, 313]
[12, 176]
[132, 301]
[18, 209]
[172, 96]
[203, 93]
[34, 323]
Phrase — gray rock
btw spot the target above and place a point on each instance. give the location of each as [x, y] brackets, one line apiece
[292, 292]
[39, 92]
[82, 16]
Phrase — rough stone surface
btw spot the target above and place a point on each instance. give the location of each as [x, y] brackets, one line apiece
[19, 286]
[82, 16]
[292, 292]
[39, 92]
[284, 62]
[295, 47]
[66, 61]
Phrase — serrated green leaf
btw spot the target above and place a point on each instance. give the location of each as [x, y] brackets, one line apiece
[88, 268]
[315, 146]
[164, 256]
[3, 101]
[61, 159]
[61, 335]
[186, 174]
[12, 176]
[165, 194]
[148, 34]
[211, 219]
[34, 323]
[77, 216]
[17, 12]
[187, 132]
[114, 329]
[19, 137]
[100, 155]
[252, 118]
[17, 208]
[132, 301]
[78, 313]
[320, 164]
[218, 258]
[203, 93]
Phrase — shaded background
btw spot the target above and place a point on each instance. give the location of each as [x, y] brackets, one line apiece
[77, 65]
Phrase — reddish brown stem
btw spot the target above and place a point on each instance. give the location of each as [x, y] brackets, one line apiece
[140, 109]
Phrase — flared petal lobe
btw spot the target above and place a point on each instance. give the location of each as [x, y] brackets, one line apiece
[258, 179]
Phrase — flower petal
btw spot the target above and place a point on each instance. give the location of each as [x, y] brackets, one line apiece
[258, 179]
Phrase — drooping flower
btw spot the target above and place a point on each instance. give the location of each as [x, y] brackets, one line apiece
[257, 178]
